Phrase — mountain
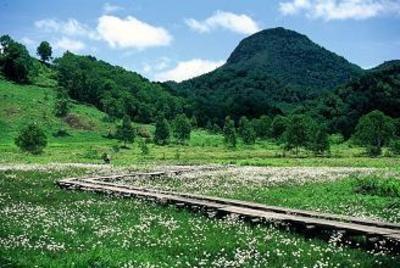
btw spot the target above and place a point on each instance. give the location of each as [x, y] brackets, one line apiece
[271, 71]
[293, 59]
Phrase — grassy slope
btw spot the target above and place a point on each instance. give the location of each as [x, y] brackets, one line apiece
[22, 104]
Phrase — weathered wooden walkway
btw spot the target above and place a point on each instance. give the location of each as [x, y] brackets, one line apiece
[306, 221]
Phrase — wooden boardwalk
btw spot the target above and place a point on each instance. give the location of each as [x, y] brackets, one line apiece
[306, 221]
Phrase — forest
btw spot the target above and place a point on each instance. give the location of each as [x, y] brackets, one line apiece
[261, 92]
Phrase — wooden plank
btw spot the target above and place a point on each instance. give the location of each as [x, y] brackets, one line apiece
[227, 206]
[266, 207]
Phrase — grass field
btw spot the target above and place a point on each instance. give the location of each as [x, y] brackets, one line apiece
[45, 226]
[348, 191]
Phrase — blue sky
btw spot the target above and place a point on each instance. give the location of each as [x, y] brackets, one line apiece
[179, 39]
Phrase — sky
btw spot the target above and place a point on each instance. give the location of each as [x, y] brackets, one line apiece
[179, 39]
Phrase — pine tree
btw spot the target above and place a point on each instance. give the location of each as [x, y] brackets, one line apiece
[162, 133]
[126, 132]
[182, 128]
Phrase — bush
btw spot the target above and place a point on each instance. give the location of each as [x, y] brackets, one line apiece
[378, 186]
[32, 139]
[91, 153]
[336, 139]
[229, 132]
[144, 133]
[143, 147]
[394, 147]
[62, 132]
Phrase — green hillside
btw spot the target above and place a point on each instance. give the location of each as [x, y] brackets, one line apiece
[270, 72]
[22, 104]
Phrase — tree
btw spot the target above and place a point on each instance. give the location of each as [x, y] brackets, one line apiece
[162, 133]
[61, 107]
[373, 131]
[229, 132]
[15, 59]
[126, 132]
[193, 122]
[31, 139]
[278, 126]
[44, 50]
[182, 128]
[246, 131]
[296, 134]
[318, 141]
[262, 126]
[143, 147]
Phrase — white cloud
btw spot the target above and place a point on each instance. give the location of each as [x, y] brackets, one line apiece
[71, 27]
[66, 43]
[156, 66]
[239, 23]
[110, 8]
[27, 41]
[340, 9]
[188, 69]
[131, 33]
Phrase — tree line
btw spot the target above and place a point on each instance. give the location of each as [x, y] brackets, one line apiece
[362, 110]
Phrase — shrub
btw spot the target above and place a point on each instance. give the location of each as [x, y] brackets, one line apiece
[378, 186]
[91, 153]
[32, 139]
[62, 132]
[229, 132]
[143, 147]
[394, 147]
[143, 132]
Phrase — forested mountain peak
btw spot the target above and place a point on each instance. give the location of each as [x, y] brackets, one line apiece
[269, 72]
[293, 59]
